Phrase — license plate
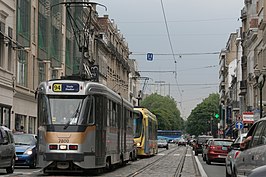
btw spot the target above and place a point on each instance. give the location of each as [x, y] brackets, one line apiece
[224, 148]
[221, 156]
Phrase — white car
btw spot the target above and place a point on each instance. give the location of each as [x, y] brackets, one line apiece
[231, 156]
[162, 143]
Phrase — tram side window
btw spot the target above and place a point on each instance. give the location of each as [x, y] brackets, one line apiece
[91, 110]
[114, 113]
[108, 114]
[129, 121]
[137, 124]
[42, 110]
[150, 129]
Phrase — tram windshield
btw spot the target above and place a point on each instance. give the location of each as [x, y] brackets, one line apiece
[137, 124]
[68, 110]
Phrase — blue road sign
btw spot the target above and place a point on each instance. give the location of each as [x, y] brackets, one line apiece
[149, 56]
[239, 125]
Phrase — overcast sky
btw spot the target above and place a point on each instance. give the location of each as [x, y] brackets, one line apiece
[197, 29]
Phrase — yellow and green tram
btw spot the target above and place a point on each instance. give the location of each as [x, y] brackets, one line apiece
[145, 132]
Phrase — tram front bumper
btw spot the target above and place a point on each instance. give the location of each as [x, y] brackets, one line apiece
[77, 157]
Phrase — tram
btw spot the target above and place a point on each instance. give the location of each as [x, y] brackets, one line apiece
[82, 125]
[145, 132]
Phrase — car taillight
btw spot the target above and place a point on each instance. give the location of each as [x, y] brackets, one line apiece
[236, 154]
[73, 147]
[53, 147]
[212, 147]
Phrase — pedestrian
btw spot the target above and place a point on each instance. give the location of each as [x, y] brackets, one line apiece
[22, 129]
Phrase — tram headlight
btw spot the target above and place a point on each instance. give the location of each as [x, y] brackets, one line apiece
[138, 144]
[63, 147]
[28, 152]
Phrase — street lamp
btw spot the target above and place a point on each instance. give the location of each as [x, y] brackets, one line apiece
[260, 81]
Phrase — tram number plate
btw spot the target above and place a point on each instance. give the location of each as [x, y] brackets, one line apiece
[63, 140]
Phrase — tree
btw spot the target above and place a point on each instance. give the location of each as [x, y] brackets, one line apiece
[202, 118]
[166, 111]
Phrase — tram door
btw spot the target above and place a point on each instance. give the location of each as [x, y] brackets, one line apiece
[146, 139]
[120, 129]
[100, 139]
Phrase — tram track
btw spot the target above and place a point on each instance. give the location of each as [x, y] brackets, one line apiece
[179, 167]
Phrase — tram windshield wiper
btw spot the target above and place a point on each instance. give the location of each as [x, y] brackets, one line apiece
[67, 124]
[74, 117]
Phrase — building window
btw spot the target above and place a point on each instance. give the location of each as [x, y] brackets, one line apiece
[5, 114]
[24, 18]
[2, 44]
[32, 125]
[34, 25]
[41, 72]
[22, 68]
[20, 122]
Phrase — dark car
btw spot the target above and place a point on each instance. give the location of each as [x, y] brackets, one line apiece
[162, 143]
[197, 146]
[181, 142]
[217, 150]
[26, 149]
[7, 150]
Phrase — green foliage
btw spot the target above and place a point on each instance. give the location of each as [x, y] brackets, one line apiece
[166, 111]
[201, 117]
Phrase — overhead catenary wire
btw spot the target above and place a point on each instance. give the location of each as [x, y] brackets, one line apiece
[172, 50]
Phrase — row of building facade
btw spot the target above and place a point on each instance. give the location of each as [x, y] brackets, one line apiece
[243, 69]
[37, 43]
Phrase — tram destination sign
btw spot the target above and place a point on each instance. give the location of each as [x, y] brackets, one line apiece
[66, 87]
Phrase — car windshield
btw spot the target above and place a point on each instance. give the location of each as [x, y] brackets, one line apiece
[162, 141]
[203, 139]
[222, 143]
[24, 139]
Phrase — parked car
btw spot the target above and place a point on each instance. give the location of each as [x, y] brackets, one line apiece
[26, 149]
[181, 142]
[217, 150]
[257, 172]
[197, 146]
[253, 149]
[162, 143]
[232, 155]
[7, 150]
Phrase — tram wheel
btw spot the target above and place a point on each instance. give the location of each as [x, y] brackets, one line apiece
[108, 165]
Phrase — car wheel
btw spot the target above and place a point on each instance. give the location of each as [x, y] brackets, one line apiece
[208, 161]
[226, 173]
[108, 165]
[204, 157]
[12, 166]
[196, 153]
[33, 164]
[234, 174]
